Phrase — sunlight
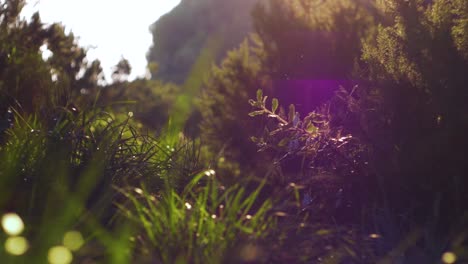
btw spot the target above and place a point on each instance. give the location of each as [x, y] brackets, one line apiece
[110, 29]
[73, 240]
[449, 257]
[60, 255]
[16, 245]
[12, 224]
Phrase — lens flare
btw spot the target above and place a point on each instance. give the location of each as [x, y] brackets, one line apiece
[59, 255]
[73, 240]
[16, 245]
[449, 257]
[12, 224]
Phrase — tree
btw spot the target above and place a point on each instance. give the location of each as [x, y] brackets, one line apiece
[121, 71]
[225, 127]
[410, 111]
[30, 81]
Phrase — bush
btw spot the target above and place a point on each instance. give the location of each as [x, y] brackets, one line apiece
[222, 106]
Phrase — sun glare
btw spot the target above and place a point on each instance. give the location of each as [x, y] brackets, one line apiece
[12, 224]
[16, 245]
[110, 29]
[73, 240]
[60, 255]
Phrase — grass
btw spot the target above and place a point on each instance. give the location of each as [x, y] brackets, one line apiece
[200, 225]
[78, 172]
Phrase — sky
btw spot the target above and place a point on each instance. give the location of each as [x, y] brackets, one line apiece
[111, 29]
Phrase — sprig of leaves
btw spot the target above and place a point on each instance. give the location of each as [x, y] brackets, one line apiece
[320, 147]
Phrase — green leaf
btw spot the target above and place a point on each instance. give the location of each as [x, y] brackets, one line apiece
[311, 128]
[274, 105]
[256, 113]
[259, 95]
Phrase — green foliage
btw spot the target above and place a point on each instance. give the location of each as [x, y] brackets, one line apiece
[406, 120]
[417, 67]
[60, 175]
[374, 174]
[26, 79]
[203, 224]
[225, 101]
[149, 101]
[296, 43]
[331, 164]
[313, 39]
[76, 141]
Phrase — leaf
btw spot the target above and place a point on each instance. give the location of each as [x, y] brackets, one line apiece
[259, 95]
[255, 103]
[311, 128]
[283, 142]
[274, 132]
[296, 121]
[256, 113]
[274, 105]
[292, 113]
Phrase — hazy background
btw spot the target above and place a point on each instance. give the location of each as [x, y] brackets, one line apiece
[109, 28]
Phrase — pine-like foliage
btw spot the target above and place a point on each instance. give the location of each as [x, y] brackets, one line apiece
[224, 107]
[418, 68]
[411, 110]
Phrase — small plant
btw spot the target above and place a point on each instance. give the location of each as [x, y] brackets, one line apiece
[320, 147]
[203, 224]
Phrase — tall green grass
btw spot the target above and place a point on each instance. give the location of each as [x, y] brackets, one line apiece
[203, 224]
[132, 198]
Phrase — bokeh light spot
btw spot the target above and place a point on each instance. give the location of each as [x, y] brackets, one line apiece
[16, 245]
[12, 224]
[73, 240]
[59, 255]
[449, 257]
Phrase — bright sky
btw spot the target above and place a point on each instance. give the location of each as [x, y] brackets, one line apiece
[110, 28]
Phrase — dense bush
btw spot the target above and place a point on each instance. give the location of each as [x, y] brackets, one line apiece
[300, 54]
[223, 106]
[417, 71]
[406, 119]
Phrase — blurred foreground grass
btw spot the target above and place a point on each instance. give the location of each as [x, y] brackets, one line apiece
[87, 188]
